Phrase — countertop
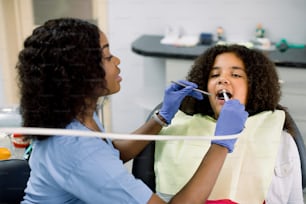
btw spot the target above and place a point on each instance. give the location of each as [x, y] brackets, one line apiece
[149, 45]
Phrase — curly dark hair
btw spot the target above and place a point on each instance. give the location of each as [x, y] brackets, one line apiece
[263, 82]
[59, 66]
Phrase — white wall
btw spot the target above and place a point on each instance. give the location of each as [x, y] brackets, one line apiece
[128, 19]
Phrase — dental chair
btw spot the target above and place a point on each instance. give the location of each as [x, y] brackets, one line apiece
[143, 164]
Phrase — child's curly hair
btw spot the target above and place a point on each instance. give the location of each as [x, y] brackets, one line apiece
[263, 82]
[59, 66]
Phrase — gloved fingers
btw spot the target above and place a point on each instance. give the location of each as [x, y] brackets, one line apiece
[188, 91]
[172, 101]
[174, 94]
[173, 87]
[180, 92]
[231, 119]
[234, 105]
[188, 83]
[196, 95]
[176, 87]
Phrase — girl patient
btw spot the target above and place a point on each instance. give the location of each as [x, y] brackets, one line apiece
[265, 165]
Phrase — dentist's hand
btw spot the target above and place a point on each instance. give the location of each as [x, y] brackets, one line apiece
[173, 97]
[231, 121]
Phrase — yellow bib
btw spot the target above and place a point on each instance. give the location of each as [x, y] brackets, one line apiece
[246, 173]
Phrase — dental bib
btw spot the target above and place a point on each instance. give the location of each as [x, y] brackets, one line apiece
[247, 172]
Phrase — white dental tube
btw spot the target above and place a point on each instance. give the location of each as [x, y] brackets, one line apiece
[226, 98]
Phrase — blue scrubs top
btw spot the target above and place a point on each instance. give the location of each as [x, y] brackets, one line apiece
[66, 169]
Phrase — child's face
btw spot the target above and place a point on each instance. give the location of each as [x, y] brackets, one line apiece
[228, 72]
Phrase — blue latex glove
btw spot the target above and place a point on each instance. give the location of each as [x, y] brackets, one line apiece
[174, 94]
[231, 121]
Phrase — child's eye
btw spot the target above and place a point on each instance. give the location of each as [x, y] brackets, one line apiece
[214, 75]
[236, 75]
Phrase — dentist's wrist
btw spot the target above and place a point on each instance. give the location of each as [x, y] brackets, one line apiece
[159, 119]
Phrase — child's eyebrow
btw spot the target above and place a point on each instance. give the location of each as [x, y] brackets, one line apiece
[232, 67]
[241, 68]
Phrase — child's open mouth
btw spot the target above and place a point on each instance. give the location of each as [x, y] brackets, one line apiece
[221, 95]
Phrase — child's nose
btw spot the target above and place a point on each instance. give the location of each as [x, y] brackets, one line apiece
[223, 80]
